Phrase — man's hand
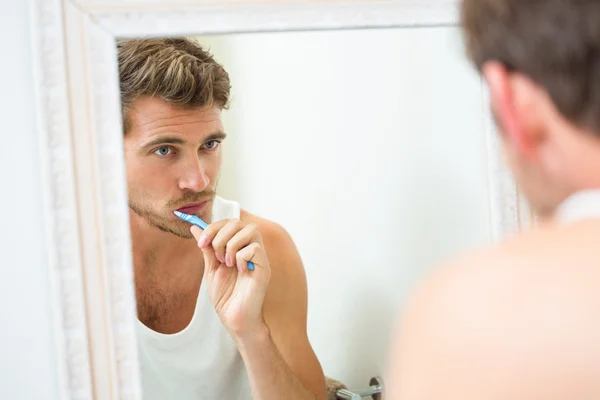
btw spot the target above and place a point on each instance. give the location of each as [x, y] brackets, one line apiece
[236, 292]
[274, 346]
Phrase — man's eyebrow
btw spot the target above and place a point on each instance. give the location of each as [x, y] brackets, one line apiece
[162, 140]
[176, 140]
[215, 136]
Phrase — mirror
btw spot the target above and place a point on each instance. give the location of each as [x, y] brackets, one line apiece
[368, 147]
[359, 129]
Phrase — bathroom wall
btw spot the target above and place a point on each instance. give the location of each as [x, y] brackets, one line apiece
[27, 361]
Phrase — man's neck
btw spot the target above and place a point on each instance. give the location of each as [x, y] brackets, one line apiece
[162, 258]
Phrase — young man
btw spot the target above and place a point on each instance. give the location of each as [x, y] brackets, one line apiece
[521, 320]
[209, 328]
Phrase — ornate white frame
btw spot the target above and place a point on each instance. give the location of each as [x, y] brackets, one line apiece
[86, 217]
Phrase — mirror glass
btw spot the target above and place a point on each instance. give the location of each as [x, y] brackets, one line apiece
[368, 148]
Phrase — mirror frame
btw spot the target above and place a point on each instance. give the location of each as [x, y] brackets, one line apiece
[79, 127]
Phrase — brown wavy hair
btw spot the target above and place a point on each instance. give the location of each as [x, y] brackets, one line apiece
[176, 70]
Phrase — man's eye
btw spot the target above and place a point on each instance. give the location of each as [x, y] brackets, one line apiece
[211, 145]
[163, 151]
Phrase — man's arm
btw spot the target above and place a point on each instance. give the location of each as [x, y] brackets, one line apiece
[280, 360]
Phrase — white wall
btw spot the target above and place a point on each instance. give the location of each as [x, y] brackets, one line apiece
[368, 147]
[26, 347]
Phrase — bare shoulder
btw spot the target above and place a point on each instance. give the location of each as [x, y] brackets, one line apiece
[524, 307]
[540, 269]
[525, 264]
[269, 229]
[277, 240]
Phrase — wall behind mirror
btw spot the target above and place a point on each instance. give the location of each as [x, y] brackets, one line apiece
[368, 147]
[27, 345]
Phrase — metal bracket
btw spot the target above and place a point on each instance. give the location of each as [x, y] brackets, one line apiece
[374, 390]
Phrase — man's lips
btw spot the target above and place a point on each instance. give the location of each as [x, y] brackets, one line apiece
[192, 208]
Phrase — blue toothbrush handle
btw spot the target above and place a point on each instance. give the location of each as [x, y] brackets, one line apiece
[194, 220]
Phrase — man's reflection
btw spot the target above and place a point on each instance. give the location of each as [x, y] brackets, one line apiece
[209, 328]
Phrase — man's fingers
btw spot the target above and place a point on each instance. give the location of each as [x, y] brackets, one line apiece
[219, 242]
[197, 232]
[252, 252]
[240, 240]
[206, 237]
[225, 239]
[210, 262]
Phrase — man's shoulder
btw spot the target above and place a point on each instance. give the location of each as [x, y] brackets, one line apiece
[287, 289]
[280, 247]
[532, 298]
[547, 250]
[520, 280]
[273, 233]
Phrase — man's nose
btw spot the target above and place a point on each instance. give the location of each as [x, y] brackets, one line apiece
[194, 178]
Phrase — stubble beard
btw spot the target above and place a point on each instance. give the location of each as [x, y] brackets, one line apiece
[174, 227]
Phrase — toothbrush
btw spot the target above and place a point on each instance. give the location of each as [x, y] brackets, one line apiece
[192, 219]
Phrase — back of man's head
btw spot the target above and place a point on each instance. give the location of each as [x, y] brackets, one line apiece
[541, 60]
[176, 70]
[554, 42]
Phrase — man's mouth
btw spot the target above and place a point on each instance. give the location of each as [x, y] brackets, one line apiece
[192, 208]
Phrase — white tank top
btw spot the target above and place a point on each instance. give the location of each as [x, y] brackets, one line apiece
[580, 205]
[199, 362]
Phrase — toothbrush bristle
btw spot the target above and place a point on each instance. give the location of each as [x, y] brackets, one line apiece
[183, 216]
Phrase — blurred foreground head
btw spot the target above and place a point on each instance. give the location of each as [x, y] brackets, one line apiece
[541, 62]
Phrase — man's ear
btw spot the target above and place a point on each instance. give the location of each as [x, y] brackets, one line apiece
[504, 106]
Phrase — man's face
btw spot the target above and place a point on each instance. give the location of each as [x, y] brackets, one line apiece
[173, 158]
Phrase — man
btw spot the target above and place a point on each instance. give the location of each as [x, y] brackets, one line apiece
[521, 320]
[209, 327]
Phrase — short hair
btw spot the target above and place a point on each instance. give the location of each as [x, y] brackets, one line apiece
[556, 43]
[176, 70]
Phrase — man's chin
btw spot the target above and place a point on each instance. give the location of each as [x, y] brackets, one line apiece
[180, 230]
[173, 226]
